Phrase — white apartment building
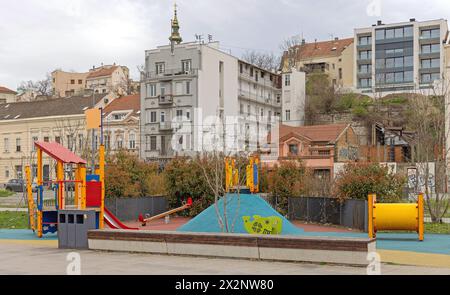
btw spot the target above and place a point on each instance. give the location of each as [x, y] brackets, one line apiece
[400, 57]
[198, 98]
[293, 98]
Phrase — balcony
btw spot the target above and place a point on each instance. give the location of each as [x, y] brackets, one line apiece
[165, 99]
[165, 126]
[170, 74]
[258, 98]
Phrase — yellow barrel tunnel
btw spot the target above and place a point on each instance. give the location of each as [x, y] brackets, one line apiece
[393, 217]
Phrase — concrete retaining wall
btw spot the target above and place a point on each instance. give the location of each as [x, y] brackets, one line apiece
[348, 251]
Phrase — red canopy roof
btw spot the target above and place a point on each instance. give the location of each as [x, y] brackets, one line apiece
[60, 153]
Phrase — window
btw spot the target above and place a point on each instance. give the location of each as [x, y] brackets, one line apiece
[408, 76]
[132, 141]
[365, 54]
[398, 77]
[341, 75]
[153, 143]
[186, 65]
[72, 82]
[152, 117]
[293, 149]
[365, 40]
[241, 109]
[430, 48]
[19, 172]
[408, 31]
[288, 115]
[151, 90]
[33, 140]
[365, 83]
[160, 68]
[278, 98]
[107, 140]
[390, 33]
[409, 61]
[6, 172]
[364, 69]
[262, 113]
[163, 117]
[248, 110]
[287, 80]
[188, 87]
[380, 63]
[80, 141]
[256, 76]
[430, 33]
[251, 72]
[379, 34]
[6, 145]
[241, 68]
[18, 147]
[390, 78]
[188, 115]
[399, 33]
[399, 62]
[119, 142]
[431, 63]
[80, 82]
[429, 78]
[58, 139]
[390, 63]
[179, 114]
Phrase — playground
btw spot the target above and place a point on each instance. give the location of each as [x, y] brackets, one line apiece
[240, 225]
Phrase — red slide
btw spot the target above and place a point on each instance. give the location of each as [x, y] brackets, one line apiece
[114, 223]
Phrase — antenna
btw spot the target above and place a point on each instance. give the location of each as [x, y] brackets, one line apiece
[199, 38]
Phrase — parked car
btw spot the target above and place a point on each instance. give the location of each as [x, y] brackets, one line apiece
[15, 185]
[19, 186]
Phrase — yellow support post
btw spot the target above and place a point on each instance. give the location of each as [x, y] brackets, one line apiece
[30, 198]
[77, 187]
[102, 180]
[39, 184]
[420, 220]
[83, 187]
[60, 178]
[370, 202]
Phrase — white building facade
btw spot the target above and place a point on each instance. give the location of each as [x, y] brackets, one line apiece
[197, 98]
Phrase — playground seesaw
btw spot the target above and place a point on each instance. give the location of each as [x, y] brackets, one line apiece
[185, 206]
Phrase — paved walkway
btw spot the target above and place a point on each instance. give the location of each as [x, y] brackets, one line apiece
[42, 258]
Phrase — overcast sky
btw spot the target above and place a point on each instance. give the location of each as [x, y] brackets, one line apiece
[38, 36]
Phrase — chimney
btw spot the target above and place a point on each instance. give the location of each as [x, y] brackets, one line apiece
[379, 23]
[336, 38]
[315, 43]
[412, 20]
[303, 41]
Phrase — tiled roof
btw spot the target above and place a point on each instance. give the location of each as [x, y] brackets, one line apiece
[130, 102]
[316, 133]
[103, 72]
[321, 49]
[47, 108]
[6, 90]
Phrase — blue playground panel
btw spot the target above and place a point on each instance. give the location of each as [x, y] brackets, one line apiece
[24, 234]
[249, 205]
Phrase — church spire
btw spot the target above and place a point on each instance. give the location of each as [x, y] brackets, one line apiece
[175, 37]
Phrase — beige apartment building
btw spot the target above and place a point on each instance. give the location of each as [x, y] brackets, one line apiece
[121, 124]
[104, 79]
[68, 83]
[334, 58]
[21, 124]
[7, 95]
[108, 79]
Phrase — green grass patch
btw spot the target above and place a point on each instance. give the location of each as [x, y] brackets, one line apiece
[5, 193]
[13, 220]
[437, 228]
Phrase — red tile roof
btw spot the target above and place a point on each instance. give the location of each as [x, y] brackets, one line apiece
[6, 90]
[130, 102]
[322, 49]
[103, 72]
[316, 133]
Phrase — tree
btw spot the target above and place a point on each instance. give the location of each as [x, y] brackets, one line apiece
[40, 87]
[358, 180]
[286, 180]
[267, 61]
[426, 116]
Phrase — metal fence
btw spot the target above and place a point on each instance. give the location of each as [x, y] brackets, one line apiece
[129, 208]
[351, 213]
